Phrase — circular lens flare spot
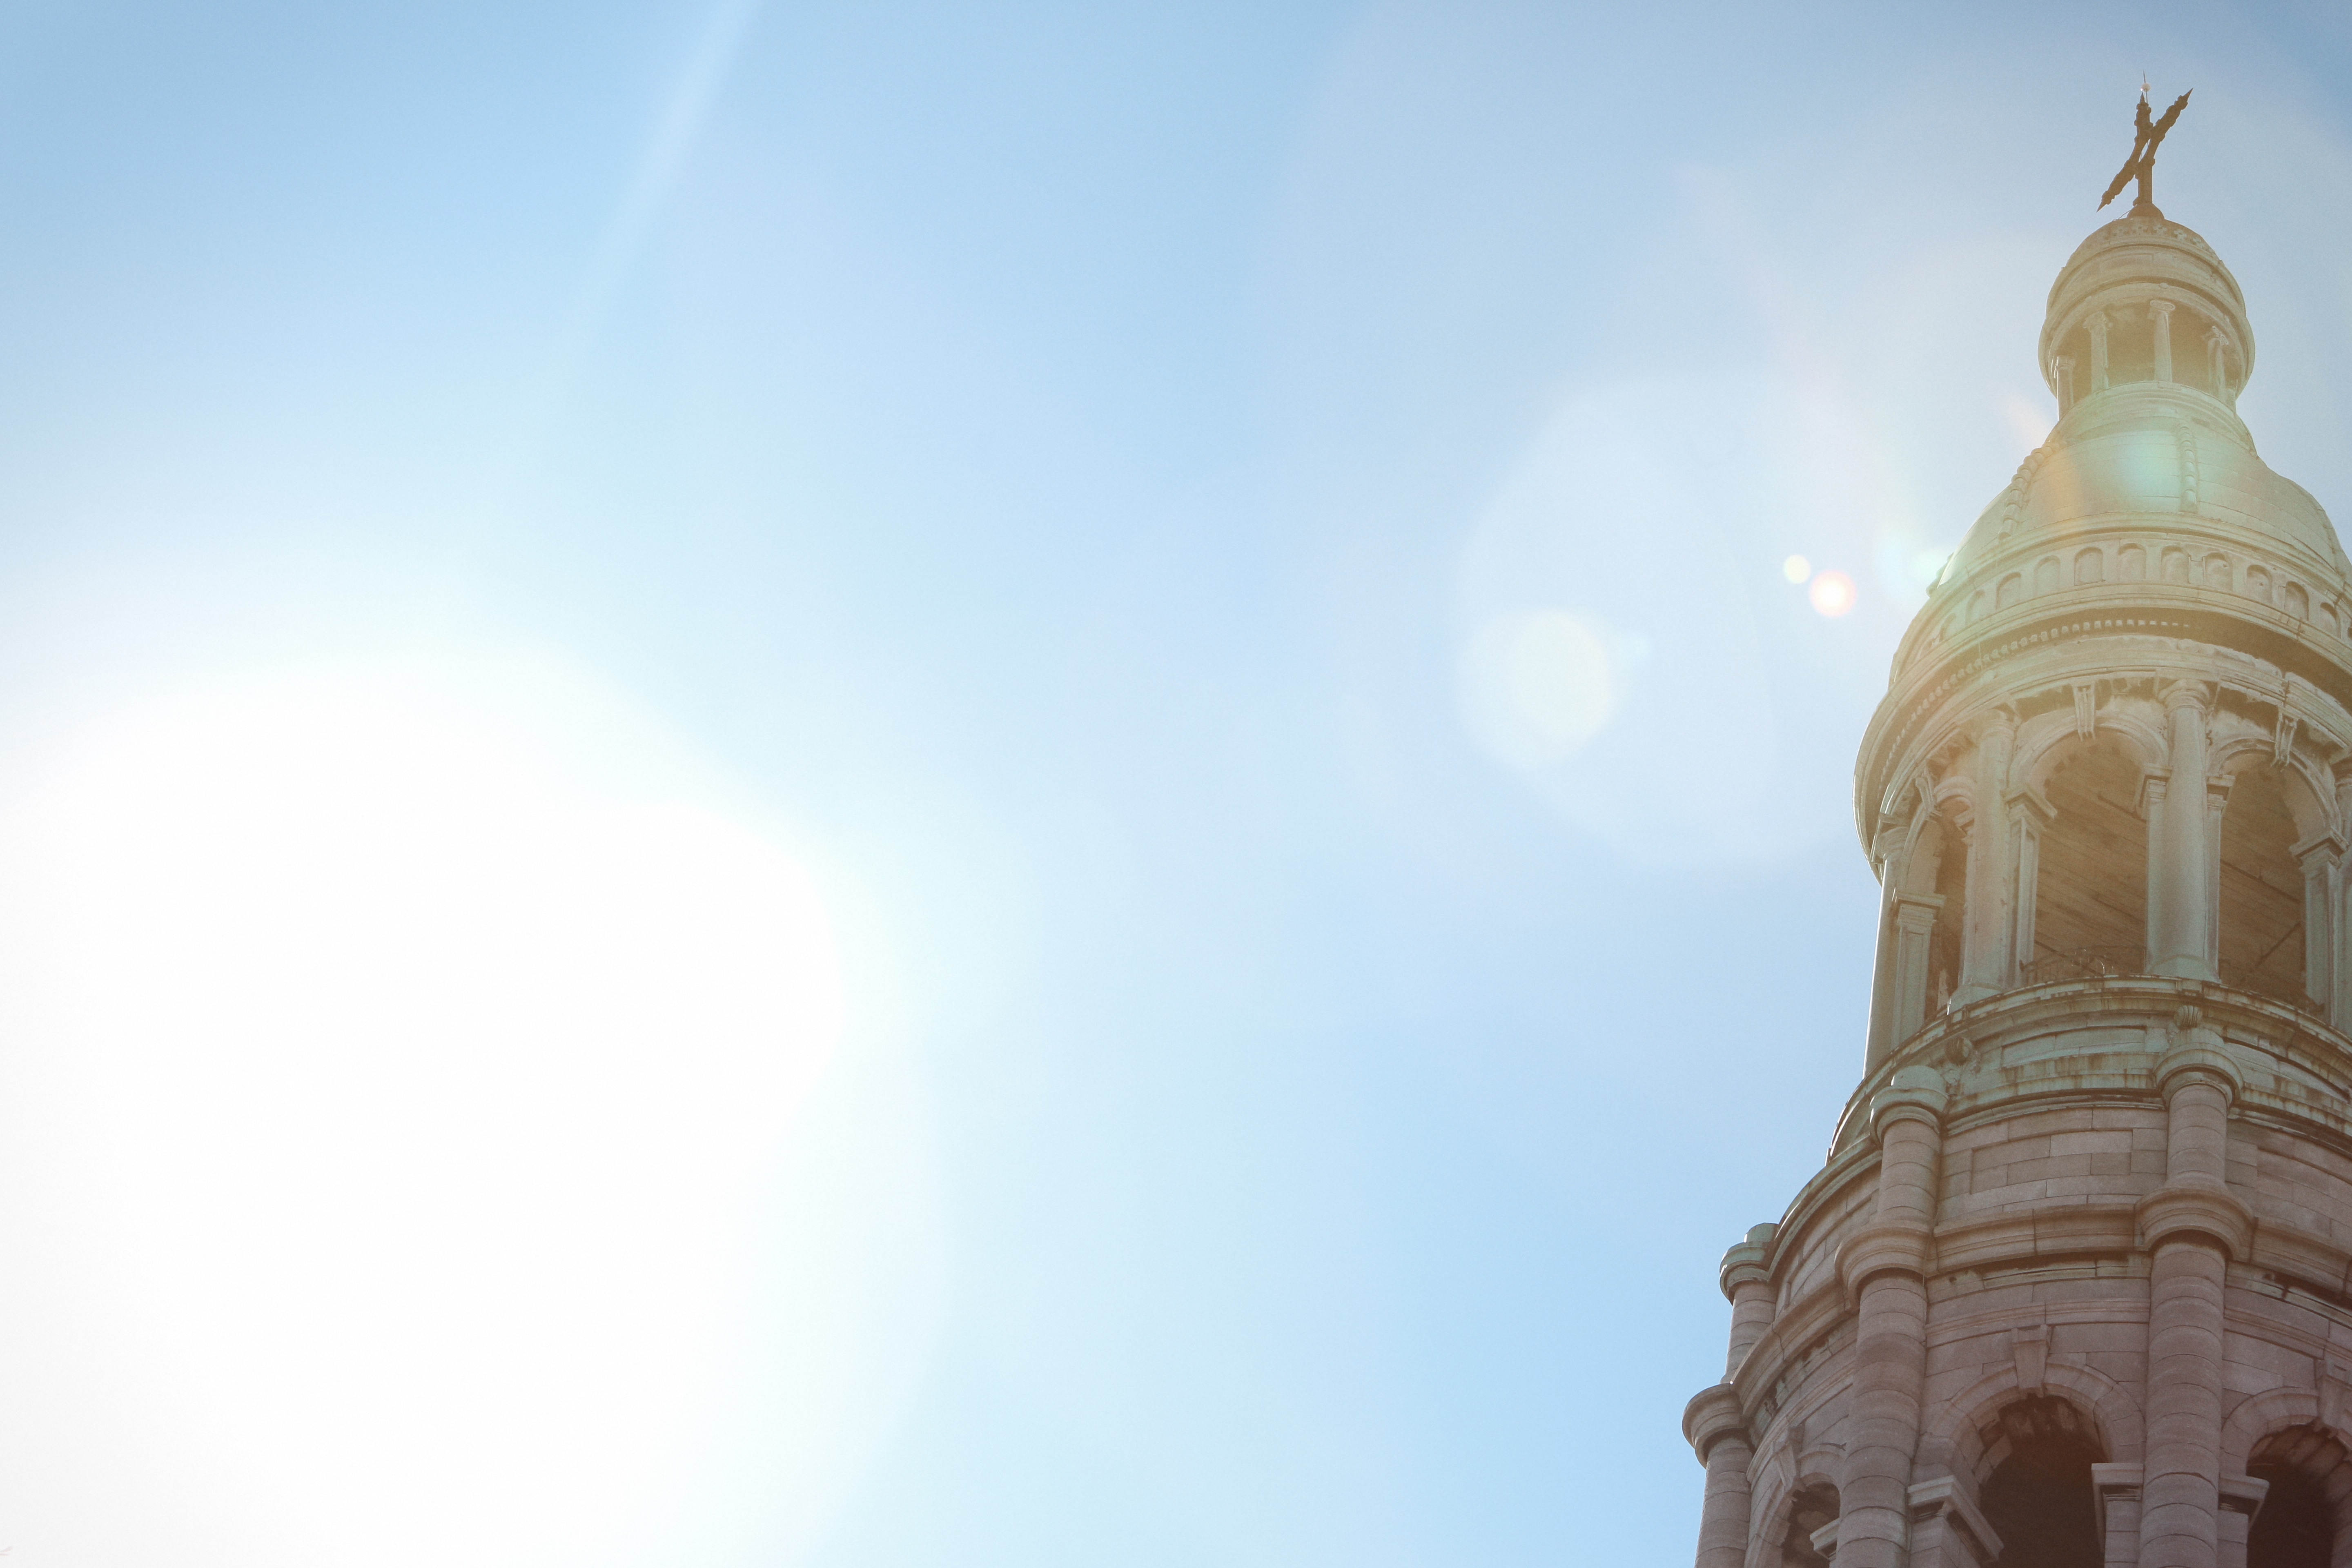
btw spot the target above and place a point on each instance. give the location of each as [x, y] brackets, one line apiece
[1796, 568]
[1831, 594]
[1540, 685]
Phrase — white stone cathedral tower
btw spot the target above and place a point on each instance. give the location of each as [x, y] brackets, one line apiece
[2075, 1286]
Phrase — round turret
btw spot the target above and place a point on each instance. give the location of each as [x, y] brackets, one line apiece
[2146, 513]
[2071, 1286]
[2119, 272]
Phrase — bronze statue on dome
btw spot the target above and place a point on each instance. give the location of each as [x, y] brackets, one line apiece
[2141, 166]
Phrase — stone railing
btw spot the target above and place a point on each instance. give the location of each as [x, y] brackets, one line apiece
[2083, 963]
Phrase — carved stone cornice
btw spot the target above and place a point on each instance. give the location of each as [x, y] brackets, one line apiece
[1713, 1415]
[1936, 676]
[1916, 1093]
[1886, 1247]
[2195, 1208]
[1947, 1528]
[1744, 1265]
[2196, 1055]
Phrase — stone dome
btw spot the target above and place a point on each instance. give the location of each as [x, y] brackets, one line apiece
[2138, 450]
[2147, 345]
[2149, 495]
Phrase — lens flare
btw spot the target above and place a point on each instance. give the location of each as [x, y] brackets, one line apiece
[1539, 685]
[1831, 594]
[414, 1087]
[1796, 568]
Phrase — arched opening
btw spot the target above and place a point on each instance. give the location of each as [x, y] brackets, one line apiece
[2293, 1529]
[2090, 895]
[2131, 347]
[2262, 889]
[1945, 943]
[2038, 1496]
[1810, 1508]
[2310, 1475]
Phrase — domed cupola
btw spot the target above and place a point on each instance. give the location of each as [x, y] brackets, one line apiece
[2145, 302]
[2147, 345]
[2073, 1286]
[2143, 570]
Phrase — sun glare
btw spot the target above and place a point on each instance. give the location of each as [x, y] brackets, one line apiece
[408, 1087]
[1538, 685]
[1832, 594]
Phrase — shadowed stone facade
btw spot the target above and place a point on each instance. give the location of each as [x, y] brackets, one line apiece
[2074, 1286]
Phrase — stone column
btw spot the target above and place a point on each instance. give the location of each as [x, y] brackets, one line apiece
[2217, 807]
[2193, 1224]
[1914, 928]
[2160, 313]
[2339, 1012]
[2180, 914]
[2217, 359]
[1748, 1286]
[1985, 954]
[1947, 1530]
[2062, 367]
[2097, 324]
[1719, 1435]
[2319, 861]
[2241, 1498]
[1883, 1267]
[2030, 816]
[1892, 859]
[2118, 1486]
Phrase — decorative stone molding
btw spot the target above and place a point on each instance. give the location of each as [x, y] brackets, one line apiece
[2013, 499]
[2198, 1055]
[2334, 1393]
[2185, 1209]
[1879, 1249]
[1744, 1262]
[1915, 1094]
[1956, 1438]
[2117, 1489]
[2200, 694]
[1947, 1530]
[2159, 310]
[2258, 1416]
[2241, 1498]
[2030, 1344]
[1713, 1415]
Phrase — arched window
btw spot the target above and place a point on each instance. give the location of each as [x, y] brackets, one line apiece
[1812, 1507]
[2090, 898]
[2038, 1496]
[2262, 889]
[2310, 1475]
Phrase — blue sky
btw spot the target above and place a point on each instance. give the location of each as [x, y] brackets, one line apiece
[1025, 509]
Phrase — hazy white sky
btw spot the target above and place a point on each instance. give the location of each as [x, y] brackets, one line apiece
[944, 785]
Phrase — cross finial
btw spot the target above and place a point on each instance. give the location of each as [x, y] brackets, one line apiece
[2141, 164]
